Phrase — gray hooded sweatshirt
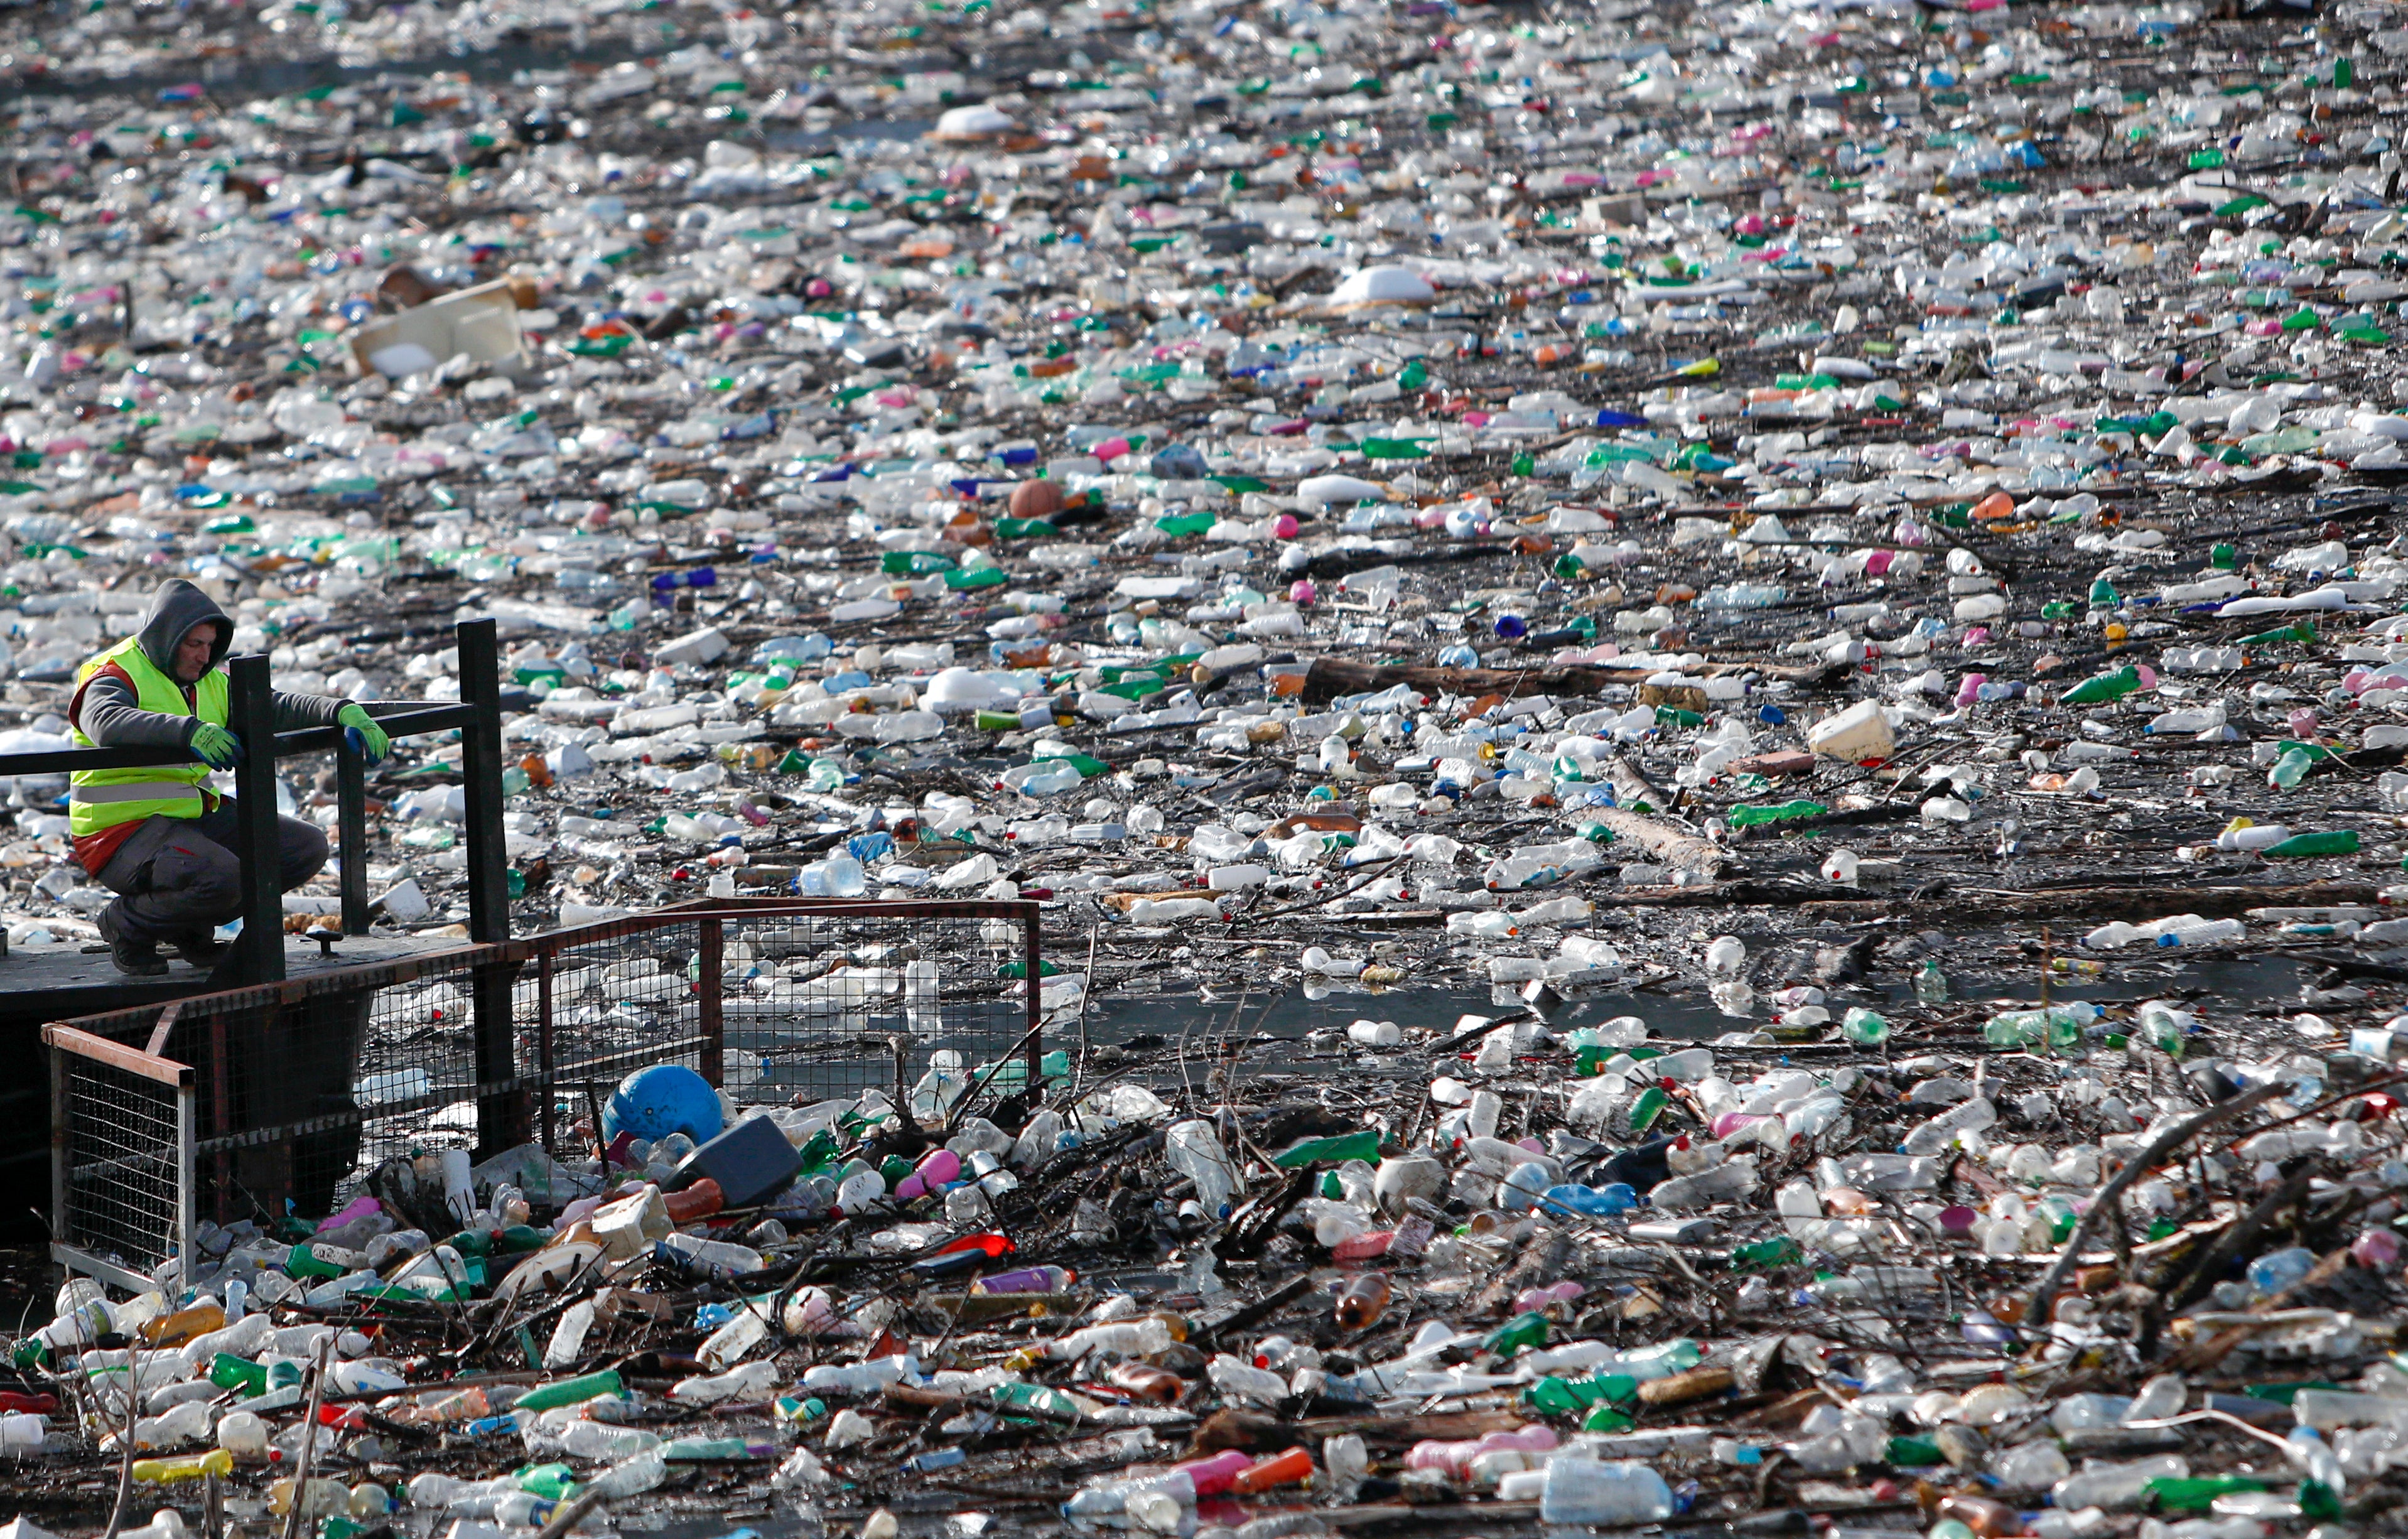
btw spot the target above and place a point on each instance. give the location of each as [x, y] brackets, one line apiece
[108, 711]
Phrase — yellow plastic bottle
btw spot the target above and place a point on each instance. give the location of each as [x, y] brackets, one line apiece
[217, 1462]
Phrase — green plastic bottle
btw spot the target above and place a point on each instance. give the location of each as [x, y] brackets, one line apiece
[820, 1150]
[2300, 846]
[550, 1482]
[1364, 1145]
[1647, 1108]
[2303, 630]
[1778, 1251]
[1750, 817]
[576, 1391]
[2200, 1492]
[1912, 1452]
[314, 1262]
[228, 1372]
[2104, 594]
[1555, 1396]
[1180, 525]
[2100, 688]
[1522, 1330]
[1864, 1027]
[2288, 771]
[2059, 1025]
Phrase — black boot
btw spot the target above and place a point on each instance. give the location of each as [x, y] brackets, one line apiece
[134, 959]
[199, 948]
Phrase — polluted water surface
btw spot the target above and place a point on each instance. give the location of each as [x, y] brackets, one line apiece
[1223, 769]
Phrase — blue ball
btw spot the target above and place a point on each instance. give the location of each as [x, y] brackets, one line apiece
[666, 1098]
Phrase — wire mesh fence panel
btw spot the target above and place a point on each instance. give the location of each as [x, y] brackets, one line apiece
[415, 1081]
[122, 1183]
[831, 1002]
[594, 1005]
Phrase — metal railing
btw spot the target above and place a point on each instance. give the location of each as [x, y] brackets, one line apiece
[227, 1105]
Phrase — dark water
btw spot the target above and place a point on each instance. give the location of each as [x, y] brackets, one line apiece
[251, 75]
[2228, 983]
[787, 136]
[1292, 1011]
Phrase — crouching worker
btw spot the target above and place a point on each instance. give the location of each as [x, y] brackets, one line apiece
[154, 836]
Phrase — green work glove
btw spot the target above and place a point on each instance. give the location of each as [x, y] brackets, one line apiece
[216, 747]
[365, 734]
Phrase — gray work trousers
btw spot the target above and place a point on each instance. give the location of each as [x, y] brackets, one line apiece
[177, 875]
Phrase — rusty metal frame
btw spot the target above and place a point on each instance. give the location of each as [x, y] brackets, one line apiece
[65, 1043]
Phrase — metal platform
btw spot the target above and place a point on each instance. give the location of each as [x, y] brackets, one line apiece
[61, 982]
[65, 983]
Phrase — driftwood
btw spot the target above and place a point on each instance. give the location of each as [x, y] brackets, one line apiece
[1674, 846]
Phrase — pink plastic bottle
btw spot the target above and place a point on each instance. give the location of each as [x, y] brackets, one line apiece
[1218, 1474]
[936, 1168]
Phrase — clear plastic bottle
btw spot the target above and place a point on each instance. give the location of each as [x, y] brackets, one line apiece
[1970, 1117]
[586, 1439]
[716, 1256]
[1193, 1150]
[2203, 932]
[1726, 1183]
[2105, 1484]
[1597, 1493]
[631, 1478]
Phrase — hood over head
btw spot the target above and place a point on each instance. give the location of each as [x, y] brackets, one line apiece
[175, 610]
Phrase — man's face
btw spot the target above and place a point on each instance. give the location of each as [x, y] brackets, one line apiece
[193, 653]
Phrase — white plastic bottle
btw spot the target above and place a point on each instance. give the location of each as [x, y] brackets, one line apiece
[568, 1342]
[750, 1381]
[243, 1435]
[2205, 932]
[1969, 1116]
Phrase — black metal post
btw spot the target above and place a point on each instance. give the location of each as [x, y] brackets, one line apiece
[710, 964]
[502, 1120]
[1033, 958]
[352, 826]
[258, 956]
[480, 770]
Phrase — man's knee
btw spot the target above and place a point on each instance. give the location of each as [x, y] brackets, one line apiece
[303, 850]
[211, 880]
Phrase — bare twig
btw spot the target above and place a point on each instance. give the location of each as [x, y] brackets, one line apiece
[2143, 1160]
